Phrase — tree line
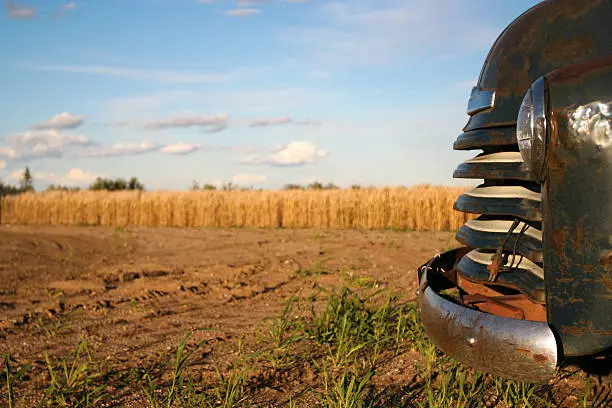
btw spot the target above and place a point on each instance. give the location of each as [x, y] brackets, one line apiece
[26, 184]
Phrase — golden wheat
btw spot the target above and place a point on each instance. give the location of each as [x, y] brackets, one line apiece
[422, 207]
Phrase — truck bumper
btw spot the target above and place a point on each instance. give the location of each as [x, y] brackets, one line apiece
[512, 348]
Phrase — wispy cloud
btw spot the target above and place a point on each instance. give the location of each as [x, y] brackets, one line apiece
[261, 122]
[2, 164]
[66, 7]
[310, 122]
[166, 76]
[244, 12]
[281, 99]
[247, 3]
[297, 153]
[64, 120]
[283, 120]
[19, 11]
[125, 149]
[146, 146]
[380, 32]
[214, 123]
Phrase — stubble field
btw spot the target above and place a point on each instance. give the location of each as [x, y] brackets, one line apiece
[193, 317]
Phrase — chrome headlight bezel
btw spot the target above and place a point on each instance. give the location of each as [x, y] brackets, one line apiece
[531, 128]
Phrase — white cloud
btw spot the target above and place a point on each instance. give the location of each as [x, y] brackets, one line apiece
[9, 153]
[41, 143]
[247, 178]
[2, 164]
[179, 148]
[77, 175]
[242, 12]
[125, 149]
[261, 122]
[214, 123]
[72, 176]
[19, 11]
[295, 153]
[64, 120]
[69, 6]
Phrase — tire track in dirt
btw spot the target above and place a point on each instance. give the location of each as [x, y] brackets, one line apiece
[134, 292]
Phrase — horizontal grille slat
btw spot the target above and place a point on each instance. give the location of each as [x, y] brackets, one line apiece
[491, 234]
[482, 138]
[507, 193]
[495, 166]
[515, 201]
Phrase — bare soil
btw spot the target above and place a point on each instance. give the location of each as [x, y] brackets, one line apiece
[134, 293]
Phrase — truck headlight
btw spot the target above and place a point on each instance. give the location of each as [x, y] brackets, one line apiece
[531, 128]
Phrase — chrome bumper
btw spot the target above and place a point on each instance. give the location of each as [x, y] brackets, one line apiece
[511, 348]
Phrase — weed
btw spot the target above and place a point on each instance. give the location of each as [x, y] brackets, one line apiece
[349, 390]
[176, 388]
[54, 327]
[73, 380]
[316, 269]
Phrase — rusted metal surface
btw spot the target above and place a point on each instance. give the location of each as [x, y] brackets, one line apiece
[527, 245]
[577, 202]
[509, 166]
[483, 138]
[487, 299]
[513, 348]
[574, 207]
[519, 278]
[525, 208]
[550, 35]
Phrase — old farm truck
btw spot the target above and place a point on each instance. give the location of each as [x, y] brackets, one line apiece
[531, 284]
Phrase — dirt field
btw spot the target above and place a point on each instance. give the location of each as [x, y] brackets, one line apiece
[134, 293]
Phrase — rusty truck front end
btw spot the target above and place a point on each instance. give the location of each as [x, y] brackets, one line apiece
[533, 277]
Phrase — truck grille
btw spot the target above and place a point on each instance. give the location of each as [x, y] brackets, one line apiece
[509, 212]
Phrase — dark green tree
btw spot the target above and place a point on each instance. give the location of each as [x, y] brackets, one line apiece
[27, 182]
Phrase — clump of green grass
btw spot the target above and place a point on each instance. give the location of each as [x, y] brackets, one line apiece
[73, 379]
[346, 390]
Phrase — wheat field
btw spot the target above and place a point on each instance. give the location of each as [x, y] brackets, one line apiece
[423, 207]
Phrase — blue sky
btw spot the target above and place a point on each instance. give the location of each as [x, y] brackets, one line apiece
[257, 92]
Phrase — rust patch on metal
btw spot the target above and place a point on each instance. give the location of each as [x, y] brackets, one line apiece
[489, 300]
[493, 268]
[540, 358]
[577, 71]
